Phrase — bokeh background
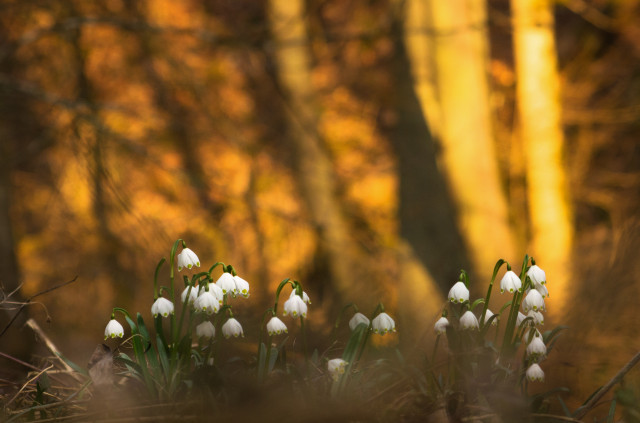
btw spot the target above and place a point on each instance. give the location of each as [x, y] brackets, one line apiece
[368, 148]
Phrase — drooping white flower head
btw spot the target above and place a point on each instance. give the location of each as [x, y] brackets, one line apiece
[336, 367]
[487, 315]
[357, 319]
[305, 297]
[232, 328]
[537, 275]
[458, 293]
[216, 291]
[535, 373]
[188, 259]
[162, 307]
[192, 295]
[542, 289]
[113, 329]
[383, 323]
[205, 330]
[242, 286]
[536, 347]
[533, 301]
[441, 325]
[227, 284]
[520, 318]
[207, 303]
[510, 282]
[469, 321]
[538, 318]
[295, 307]
[276, 326]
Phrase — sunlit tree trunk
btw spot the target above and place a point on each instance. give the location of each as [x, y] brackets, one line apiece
[460, 56]
[313, 165]
[538, 87]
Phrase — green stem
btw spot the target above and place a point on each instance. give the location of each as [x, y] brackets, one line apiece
[496, 269]
[155, 278]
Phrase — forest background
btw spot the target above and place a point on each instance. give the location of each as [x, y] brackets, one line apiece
[368, 148]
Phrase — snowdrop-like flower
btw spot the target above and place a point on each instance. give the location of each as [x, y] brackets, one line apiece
[188, 259]
[295, 307]
[537, 275]
[520, 318]
[113, 329]
[227, 284]
[383, 323]
[207, 303]
[162, 307]
[536, 347]
[542, 289]
[216, 291]
[488, 316]
[458, 293]
[232, 328]
[510, 282]
[192, 295]
[441, 325]
[336, 367]
[242, 286]
[533, 301]
[305, 297]
[357, 319]
[469, 321]
[205, 330]
[276, 326]
[535, 373]
[538, 318]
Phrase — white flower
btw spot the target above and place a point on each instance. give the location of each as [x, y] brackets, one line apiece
[520, 318]
[469, 321]
[205, 330]
[458, 293]
[305, 297]
[276, 326]
[536, 347]
[537, 275]
[535, 373]
[357, 319]
[113, 329]
[533, 301]
[162, 307]
[441, 325]
[542, 289]
[295, 307]
[192, 295]
[207, 303]
[487, 315]
[383, 323]
[538, 318]
[227, 284]
[232, 328]
[188, 259]
[242, 286]
[510, 282]
[336, 367]
[216, 291]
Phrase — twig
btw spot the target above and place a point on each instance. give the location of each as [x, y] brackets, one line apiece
[580, 412]
[15, 316]
[27, 383]
[553, 416]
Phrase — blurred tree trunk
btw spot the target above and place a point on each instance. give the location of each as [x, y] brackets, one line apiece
[313, 164]
[538, 96]
[431, 250]
[460, 55]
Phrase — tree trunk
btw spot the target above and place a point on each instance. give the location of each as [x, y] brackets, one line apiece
[313, 164]
[460, 54]
[538, 88]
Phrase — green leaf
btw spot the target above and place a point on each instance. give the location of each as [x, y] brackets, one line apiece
[272, 358]
[612, 411]
[564, 407]
[164, 359]
[549, 335]
[73, 365]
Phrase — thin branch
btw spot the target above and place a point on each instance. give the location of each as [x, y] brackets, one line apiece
[580, 412]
